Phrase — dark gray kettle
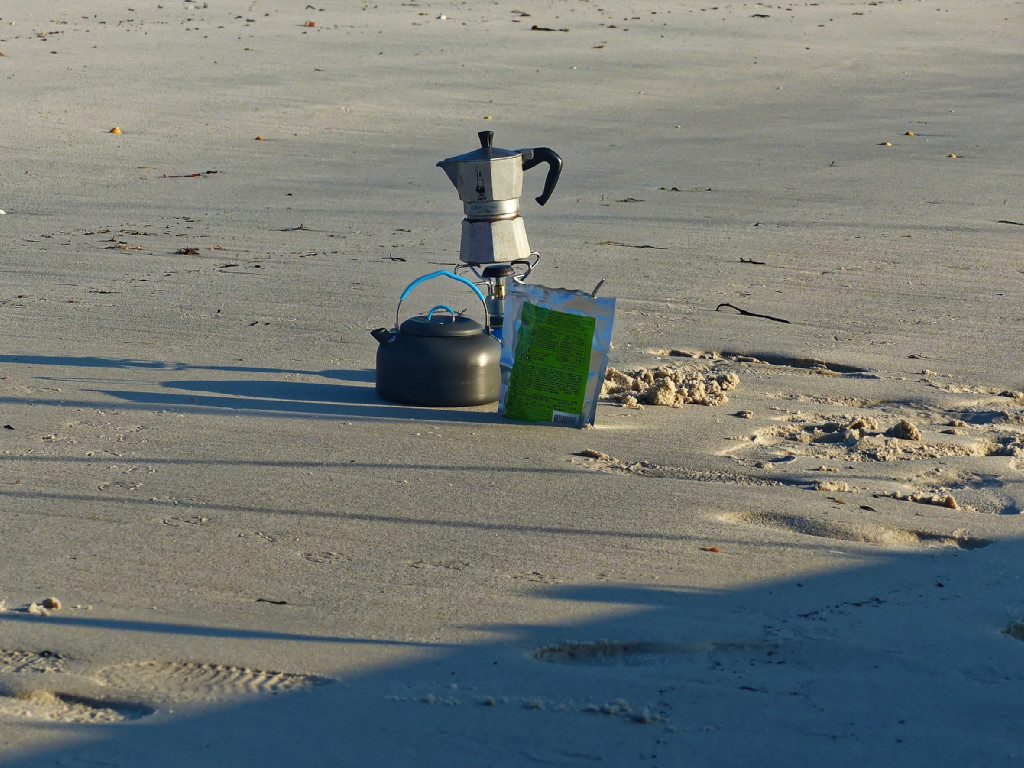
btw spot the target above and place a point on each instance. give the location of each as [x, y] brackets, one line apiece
[440, 359]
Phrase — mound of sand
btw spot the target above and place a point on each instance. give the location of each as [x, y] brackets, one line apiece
[668, 385]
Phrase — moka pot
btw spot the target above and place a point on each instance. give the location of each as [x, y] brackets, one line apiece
[489, 181]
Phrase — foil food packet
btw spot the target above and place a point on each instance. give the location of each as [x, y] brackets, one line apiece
[554, 354]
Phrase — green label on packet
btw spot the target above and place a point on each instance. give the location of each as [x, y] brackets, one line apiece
[548, 381]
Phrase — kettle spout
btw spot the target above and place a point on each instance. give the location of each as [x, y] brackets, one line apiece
[383, 335]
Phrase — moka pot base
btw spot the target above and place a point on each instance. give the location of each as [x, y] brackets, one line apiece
[496, 240]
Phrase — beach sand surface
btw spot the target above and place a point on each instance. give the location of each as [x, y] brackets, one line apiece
[251, 559]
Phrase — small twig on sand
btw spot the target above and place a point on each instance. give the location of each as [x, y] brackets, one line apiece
[1017, 223]
[630, 245]
[752, 314]
[751, 261]
[186, 175]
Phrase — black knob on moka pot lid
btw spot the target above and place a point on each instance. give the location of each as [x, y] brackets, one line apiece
[489, 151]
[486, 152]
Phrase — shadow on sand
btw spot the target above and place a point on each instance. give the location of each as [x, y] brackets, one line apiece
[354, 397]
[905, 662]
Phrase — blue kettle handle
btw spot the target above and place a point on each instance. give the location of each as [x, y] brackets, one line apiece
[430, 314]
[440, 272]
[453, 276]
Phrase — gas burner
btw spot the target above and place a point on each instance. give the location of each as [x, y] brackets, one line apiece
[498, 279]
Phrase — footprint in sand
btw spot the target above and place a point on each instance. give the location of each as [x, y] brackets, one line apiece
[536, 577]
[707, 654]
[602, 462]
[52, 706]
[325, 558]
[162, 682]
[1015, 630]
[860, 532]
[200, 683]
[606, 653]
[30, 661]
[446, 565]
[23, 669]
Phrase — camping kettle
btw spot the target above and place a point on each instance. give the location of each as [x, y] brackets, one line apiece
[490, 180]
[441, 358]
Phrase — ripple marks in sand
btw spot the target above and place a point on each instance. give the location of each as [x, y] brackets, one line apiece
[51, 706]
[187, 681]
[867, 533]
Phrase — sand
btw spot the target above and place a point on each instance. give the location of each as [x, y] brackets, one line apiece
[253, 560]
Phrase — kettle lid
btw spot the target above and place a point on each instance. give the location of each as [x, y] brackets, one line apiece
[441, 326]
[486, 152]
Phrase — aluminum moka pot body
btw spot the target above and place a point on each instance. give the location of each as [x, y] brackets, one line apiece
[440, 359]
[489, 180]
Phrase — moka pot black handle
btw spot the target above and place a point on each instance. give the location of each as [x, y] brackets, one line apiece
[549, 156]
